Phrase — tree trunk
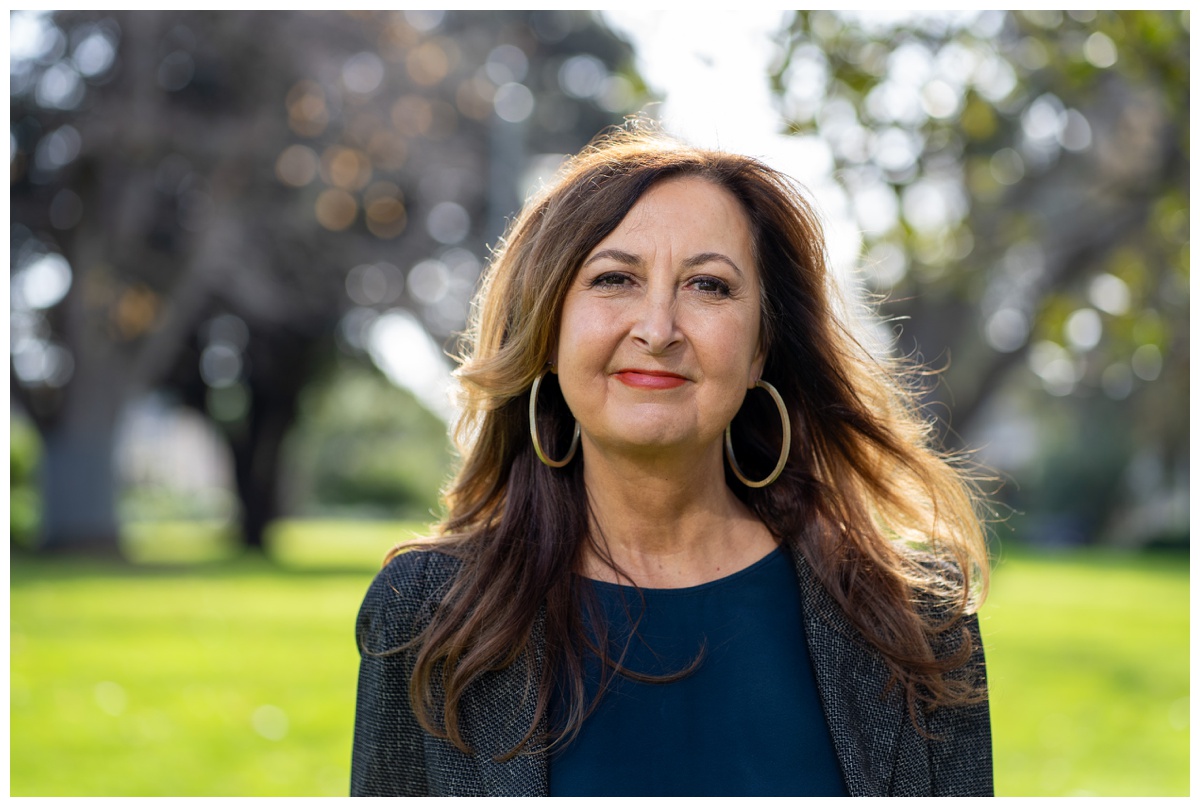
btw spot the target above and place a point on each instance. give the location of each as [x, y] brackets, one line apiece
[79, 492]
[79, 484]
[256, 465]
[279, 373]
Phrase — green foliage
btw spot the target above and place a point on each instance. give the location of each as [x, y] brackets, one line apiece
[363, 446]
[24, 503]
[24, 451]
[239, 678]
[1009, 106]
[159, 502]
[1033, 170]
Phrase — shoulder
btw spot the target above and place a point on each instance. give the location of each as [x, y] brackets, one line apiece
[936, 567]
[944, 599]
[402, 597]
[937, 598]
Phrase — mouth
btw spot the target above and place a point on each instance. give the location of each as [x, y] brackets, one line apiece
[649, 379]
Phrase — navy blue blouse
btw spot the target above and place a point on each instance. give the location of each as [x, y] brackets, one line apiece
[746, 722]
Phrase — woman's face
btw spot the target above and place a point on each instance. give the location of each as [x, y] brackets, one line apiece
[660, 327]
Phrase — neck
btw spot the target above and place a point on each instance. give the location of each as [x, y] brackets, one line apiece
[667, 520]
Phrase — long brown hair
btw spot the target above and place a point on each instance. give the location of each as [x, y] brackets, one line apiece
[888, 524]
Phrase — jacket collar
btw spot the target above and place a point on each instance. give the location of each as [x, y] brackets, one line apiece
[851, 676]
[864, 723]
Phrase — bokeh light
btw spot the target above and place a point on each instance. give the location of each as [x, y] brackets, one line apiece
[335, 209]
[296, 166]
[1100, 50]
[385, 211]
[363, 73]
[95, 53]
[345, 168]
[513, 102]
[1084, 329]
[428, 63]
[448, 222]
[429, 281]
[307, 112]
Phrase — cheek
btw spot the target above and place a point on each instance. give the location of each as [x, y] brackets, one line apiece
[579, 353]
[567, 341]
[737, 343]
[584, 332]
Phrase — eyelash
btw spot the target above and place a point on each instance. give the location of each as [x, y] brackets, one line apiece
[721, 290]
[717, 287]
[603, 280]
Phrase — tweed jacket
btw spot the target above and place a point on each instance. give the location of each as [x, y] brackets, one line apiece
[880, 751]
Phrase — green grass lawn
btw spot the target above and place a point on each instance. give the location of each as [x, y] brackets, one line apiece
[217, 675]
[235, 675]
[1088, 673]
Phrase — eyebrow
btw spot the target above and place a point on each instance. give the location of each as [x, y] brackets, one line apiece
[708, 257]
[699, 259]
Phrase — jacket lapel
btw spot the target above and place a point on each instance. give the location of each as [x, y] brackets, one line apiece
[496, 717]
[851, 677]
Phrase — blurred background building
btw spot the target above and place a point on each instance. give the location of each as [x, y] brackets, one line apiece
[242, 243]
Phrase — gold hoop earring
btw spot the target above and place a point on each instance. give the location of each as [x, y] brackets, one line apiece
[533, 432]
[783, 455]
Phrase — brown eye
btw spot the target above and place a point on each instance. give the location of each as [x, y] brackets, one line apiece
[711, 285]
[610, 279]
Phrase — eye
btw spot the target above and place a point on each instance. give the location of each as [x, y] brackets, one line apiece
[711, 285]
[610, 280]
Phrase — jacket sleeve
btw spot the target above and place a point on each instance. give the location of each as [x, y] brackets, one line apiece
[389, 753]
[961, 751]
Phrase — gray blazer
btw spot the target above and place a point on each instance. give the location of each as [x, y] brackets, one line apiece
[880, 751]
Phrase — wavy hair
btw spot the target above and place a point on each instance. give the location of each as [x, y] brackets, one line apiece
[888, 524]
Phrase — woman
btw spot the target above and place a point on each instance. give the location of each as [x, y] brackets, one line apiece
[717, 556]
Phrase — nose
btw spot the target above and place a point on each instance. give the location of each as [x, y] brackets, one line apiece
[655, 328]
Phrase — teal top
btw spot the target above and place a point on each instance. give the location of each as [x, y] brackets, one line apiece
[747, 721]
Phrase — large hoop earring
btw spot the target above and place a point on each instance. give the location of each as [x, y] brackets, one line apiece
[533, 431]
[783, 455]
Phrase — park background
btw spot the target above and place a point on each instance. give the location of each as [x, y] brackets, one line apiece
[242, 244]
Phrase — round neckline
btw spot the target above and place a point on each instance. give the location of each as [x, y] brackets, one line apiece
[683, 590]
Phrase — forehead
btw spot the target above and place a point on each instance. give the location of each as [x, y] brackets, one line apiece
[689, 208]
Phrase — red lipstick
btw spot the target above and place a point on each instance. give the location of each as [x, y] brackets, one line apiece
[650, 379]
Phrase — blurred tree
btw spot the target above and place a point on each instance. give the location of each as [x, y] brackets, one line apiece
[202, 199]
[23, 457]
[363, 447]
[1021, 183]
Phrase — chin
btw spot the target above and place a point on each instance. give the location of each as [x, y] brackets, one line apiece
[649, 438]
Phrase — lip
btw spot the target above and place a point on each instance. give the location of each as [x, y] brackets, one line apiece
[649, 379]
